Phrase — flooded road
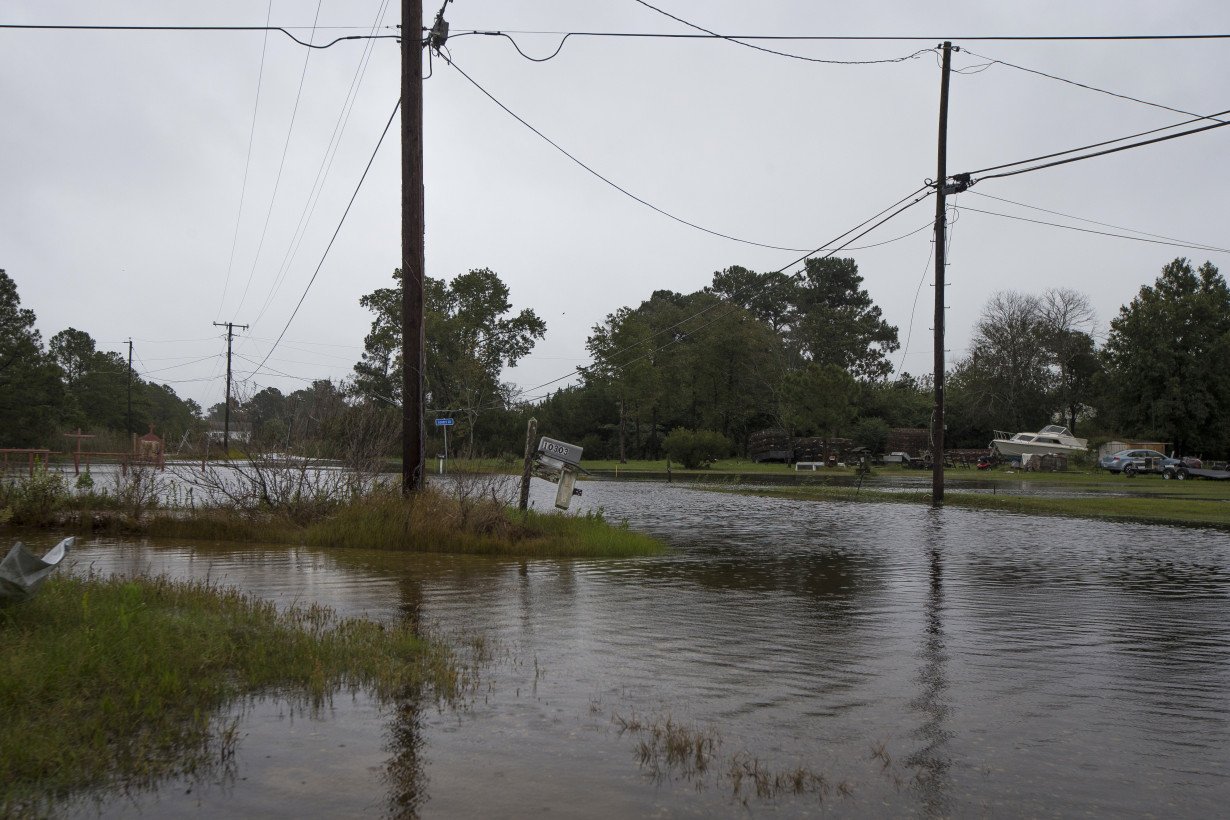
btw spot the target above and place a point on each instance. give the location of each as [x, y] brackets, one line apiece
[863, 659]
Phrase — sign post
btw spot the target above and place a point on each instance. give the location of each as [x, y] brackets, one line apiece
[445, 423]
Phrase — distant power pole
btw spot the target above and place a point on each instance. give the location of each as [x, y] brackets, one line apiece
[226, 411]
[412, 251]
[130, 430]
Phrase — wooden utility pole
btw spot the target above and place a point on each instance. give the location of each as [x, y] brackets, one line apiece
[527, 467]
[412, 252]
[941, 180]
[226, 410]
[130, 431]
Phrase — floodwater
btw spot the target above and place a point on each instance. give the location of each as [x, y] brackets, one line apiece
[884, 659]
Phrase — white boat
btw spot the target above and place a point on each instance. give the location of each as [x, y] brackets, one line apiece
[1050, 439]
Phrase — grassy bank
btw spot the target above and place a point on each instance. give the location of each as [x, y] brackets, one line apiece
[1210, 508]
[468, 515]
[431, 522]
[112, 683]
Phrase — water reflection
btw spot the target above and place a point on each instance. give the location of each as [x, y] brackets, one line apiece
[1020, 664]
[932, 759]
[404, 775]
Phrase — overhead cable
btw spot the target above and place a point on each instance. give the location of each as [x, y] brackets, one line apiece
[1090, 230]
[1100, 144]
[324, 169]
[611, 183]
[247, 164]
[304, 43]
[183, 364]
[831, 248]
[991, 61]
[1183, 242]
[794, 275]
[277, 181]
[1141, 144]
[918, 195]
[1073, 38]
[787, 54]
[336, 231]
[858, 37]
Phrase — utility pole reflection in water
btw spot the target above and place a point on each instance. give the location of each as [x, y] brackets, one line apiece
[931, 761]
[404, 773]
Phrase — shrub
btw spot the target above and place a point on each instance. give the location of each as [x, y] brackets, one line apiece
[695, 448]
[872, 433]
[35, 500]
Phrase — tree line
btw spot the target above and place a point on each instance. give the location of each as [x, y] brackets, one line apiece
[69, 383]
[809, 354]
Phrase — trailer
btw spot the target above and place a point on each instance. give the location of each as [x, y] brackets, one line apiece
[1181, 472]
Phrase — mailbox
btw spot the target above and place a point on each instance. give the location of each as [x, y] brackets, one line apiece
[559, 462]
[550, 449]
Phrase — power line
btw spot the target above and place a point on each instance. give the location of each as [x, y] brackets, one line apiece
[1184, 242]
[336, 231]
[184, 364]
[609, 182]
[1099, 233]
[1073, 38]
[859, 37]
[1104, 142]
[804, 258]
[1188, 133]
[994, 61]
[773, 51]
[262, 367]
[909, 333]
[326, 166]
[794, 275]
[277, 182]
[247, 163]
[305, 44]
[729, 298]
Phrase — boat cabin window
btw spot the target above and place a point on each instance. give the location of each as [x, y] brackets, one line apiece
[1024, 437]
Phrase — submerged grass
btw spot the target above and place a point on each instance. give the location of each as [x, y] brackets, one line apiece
[111, 683]
[667, 749]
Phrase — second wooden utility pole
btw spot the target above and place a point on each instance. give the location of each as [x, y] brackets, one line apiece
[941, 181]
[226, 411]
[412, 250]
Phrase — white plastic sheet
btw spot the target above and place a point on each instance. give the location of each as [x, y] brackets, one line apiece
[21, 572]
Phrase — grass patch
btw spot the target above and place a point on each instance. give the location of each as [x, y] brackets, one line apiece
[667, 749]
[428, 522]
[116, 684]
[1209, 508]
[432, 522]
[468, 515]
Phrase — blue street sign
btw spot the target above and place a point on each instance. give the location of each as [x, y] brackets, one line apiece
[444, 422]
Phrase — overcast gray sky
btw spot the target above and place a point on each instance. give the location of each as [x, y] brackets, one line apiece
[123, 159]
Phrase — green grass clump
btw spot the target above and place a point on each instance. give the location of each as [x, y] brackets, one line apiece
[434, 522]
[116, 684]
